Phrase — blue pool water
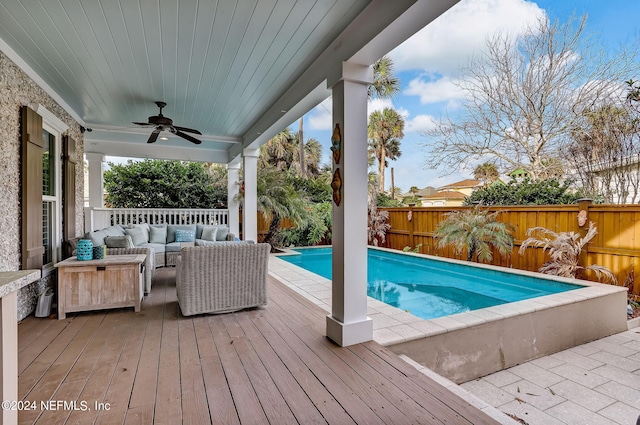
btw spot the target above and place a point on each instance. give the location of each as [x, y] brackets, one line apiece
[430, 288]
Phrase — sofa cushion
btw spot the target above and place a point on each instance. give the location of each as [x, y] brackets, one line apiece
[157, 247]
[199, 228]
[201, 242]
[137, 235]
[145, 228]
[118, 241]
[209, 233]
[173, 247]
[158, 234]
[171, 230]
[115, 230]
[185, 235]
[97, 237]
[222, 233]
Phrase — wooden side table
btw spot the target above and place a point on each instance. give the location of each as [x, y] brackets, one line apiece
[113, 282]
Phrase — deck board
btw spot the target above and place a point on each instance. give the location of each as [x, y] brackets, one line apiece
[268, 365]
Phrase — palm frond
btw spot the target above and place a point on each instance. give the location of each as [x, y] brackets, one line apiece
[564, 250]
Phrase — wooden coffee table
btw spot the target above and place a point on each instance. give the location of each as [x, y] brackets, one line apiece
[113, 282]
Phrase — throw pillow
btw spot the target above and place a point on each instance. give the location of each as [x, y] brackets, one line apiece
[209, 233]
[137, 235]
[145, 229]
[158, 235]
[185, 235]
[223, 231]
[118, 241]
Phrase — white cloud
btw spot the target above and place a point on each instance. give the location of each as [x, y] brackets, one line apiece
[432, 91]
[446, 43]
[378, 105]
[320, 116]
[419, 123]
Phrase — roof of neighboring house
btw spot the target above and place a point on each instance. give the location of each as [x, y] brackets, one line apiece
[446, 194]
[518, 172]
[426, 191]
[462, 184]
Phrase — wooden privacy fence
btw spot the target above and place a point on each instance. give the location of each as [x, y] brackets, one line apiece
[616, 246]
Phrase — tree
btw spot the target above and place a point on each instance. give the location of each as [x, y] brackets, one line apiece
[283, 152]
[312, 158]
[487, 173]
[606, 153]
[164, 184]
[564, 248]
[476, 231]
[385, 131]
[525, 192]
[301, 151]
[280, 151]
[377, 225]
[315, 230]
[277, 200]
[526, 95]
[385, 84]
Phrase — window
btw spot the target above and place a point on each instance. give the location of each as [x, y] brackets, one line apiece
[52, 128]
[49, 197]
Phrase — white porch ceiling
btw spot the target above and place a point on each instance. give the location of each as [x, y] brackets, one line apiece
[237, 70]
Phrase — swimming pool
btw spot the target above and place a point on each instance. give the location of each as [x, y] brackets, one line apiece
[475, 343]
[429, 288]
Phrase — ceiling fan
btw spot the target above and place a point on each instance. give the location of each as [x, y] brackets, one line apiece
[162, 123]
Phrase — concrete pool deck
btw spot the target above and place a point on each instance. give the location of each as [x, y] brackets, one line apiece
[394, 327]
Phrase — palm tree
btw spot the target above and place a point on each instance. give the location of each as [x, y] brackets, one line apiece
[385, 131]
[312, 157]
[277, 200]
[301, 147]
[385, 84]
[564, 249]
[475, 231]
[487, 173]
[280, 151]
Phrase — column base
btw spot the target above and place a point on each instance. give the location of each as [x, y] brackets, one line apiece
[345, 334]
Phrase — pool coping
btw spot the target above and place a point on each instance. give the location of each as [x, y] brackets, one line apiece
[394, 326]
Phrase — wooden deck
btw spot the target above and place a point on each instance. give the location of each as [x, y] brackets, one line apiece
[270, 365]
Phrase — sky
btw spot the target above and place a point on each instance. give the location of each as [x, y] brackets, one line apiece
[429, 63]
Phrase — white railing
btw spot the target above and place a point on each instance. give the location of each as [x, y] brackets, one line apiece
[99, 218]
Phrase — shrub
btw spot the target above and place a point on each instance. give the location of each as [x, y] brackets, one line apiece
[564, 248]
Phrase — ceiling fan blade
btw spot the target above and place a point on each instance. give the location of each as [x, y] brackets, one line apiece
[187, 137]
[188, 130]
[154, 136]
[147, 124]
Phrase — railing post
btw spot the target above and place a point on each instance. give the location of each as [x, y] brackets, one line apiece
[88, 219]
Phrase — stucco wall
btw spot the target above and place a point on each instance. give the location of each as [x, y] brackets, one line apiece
[17, 90]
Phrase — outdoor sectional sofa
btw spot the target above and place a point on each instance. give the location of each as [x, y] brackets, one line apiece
[161, 243]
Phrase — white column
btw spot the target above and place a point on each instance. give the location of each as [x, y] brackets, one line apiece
[9, 355]
[96, 179]
[250, 208]
[348, 323]
[233, 187]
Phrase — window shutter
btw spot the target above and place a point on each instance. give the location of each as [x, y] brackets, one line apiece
[69, 193]
[32, 249]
